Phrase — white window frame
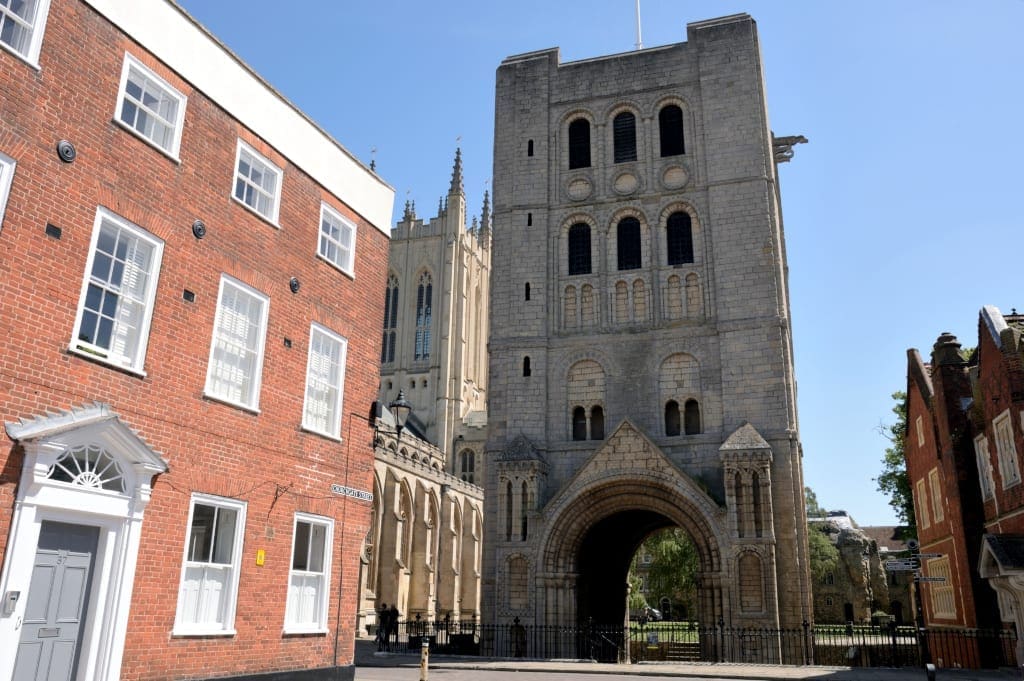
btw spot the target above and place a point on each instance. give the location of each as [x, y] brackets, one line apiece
[176, 125]
[267, 167]
[134, 360]
[319, 624]
[921, 494]
[7, 166]
[938, 513]
[250, 401]
[1006, 450]
[345, 256]
[31, 55]
[984, 461]
[226, 627]
[312, 380]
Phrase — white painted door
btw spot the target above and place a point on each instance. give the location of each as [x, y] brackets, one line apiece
[58, 601]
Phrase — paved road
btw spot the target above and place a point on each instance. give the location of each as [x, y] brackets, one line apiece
[413, 674]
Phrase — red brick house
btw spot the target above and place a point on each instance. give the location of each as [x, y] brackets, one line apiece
[997, 379]
[964, 434]
[190, 278]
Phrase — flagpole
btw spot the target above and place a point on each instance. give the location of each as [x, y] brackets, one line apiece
[639, 40]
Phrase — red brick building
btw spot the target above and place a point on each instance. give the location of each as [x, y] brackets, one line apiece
[190, 283]
[964, 419]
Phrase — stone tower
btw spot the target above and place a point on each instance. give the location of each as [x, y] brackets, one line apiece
[641, 368]
[434, 342]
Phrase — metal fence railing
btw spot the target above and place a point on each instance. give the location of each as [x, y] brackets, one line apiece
[850, 645]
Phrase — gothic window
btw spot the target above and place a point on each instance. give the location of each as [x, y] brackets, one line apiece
[579, 144]
[517, 583]
[404, 529]
[523, 506]
[624, 133]
[672, 420]
[468, 465]
[387, 349]
[596, 423]
[629, 243]
[424, 295]
[740, 510]
[579, 423]
[526, 366]
[670, 128]
[508, 511]
[579, 248]
[679, 238]
[691, 417]
[755, 487]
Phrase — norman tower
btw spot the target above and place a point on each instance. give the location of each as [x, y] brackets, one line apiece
[641, 370]
[434, 343]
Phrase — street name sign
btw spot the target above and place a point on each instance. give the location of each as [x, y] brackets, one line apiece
[931, 579]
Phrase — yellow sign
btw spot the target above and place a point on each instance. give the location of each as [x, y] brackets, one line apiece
[261, 556]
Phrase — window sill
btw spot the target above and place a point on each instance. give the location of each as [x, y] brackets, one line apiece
[326, 436]
[304, 631]
[171, 155]
[270, 221]
[85, 354]
[231, 403]
[179, 632]
[19, 55]
[347, 272]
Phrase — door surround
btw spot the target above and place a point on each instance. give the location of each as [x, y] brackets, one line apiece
[44, 494]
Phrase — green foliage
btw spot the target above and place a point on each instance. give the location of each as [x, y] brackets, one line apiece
[893, 480]
[823, 554]
[673, 569]
[637, 601]
[811, 504]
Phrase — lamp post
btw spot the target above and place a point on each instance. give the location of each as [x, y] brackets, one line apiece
[400, 408]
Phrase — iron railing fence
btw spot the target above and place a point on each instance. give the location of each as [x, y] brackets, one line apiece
[855, 646]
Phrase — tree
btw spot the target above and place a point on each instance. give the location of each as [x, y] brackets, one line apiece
[893, 480]
[672, 572]
[811, 504]
[822, 553]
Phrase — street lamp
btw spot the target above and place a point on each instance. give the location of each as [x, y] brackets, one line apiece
[400, 408]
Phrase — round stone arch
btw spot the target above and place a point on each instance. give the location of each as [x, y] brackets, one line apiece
[563, 137]
[696, 232]
[689, 132]
[612, 241]
[563, 244]
[640, 129]
[624, 506]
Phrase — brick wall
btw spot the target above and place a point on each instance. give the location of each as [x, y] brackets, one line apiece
[262, 458]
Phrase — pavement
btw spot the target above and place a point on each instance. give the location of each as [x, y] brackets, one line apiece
[366, 655]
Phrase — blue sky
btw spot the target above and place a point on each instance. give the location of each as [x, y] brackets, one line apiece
[899, 213]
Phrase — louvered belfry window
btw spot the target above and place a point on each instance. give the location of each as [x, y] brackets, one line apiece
[624, 131]
[579, 248]
[579, 144]
[629, 243]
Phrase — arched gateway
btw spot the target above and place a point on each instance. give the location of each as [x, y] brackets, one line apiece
[646, 406]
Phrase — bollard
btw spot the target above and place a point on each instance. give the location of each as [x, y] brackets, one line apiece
[425, 658]
[929, 669]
